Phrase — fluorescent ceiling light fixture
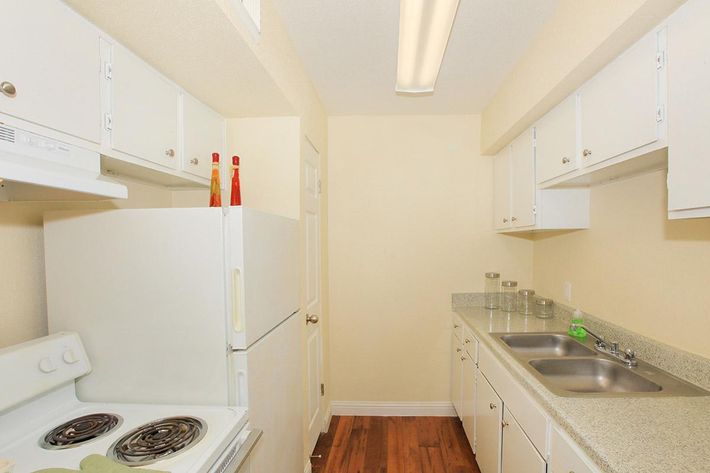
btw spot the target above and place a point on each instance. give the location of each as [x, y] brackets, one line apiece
[424, 30]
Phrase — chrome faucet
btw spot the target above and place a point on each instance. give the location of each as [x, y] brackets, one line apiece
[628, 356]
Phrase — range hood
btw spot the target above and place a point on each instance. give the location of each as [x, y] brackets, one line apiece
[37, 168]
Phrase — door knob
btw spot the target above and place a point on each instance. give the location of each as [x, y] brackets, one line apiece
[311, 319]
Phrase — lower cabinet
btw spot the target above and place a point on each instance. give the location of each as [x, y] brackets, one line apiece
[468, 399]
[519, 455]
[565, 457]
[457, 357]
[489, 418]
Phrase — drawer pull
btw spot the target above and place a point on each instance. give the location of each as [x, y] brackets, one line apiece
[8, 88]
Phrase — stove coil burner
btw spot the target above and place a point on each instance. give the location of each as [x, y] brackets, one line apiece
[158, 440]
[79, 431]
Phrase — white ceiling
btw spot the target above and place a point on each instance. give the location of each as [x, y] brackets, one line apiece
[349, 48]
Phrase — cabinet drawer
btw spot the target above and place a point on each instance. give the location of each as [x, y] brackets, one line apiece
[457, 326]
[565, 457]
[528, 414]
[470, 343]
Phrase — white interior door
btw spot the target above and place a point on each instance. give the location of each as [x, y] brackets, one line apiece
[314, 358]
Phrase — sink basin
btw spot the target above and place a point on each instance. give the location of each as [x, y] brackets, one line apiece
[541, 345]
[592, 375]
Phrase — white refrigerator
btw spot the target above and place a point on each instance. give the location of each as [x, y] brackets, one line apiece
[186, 306]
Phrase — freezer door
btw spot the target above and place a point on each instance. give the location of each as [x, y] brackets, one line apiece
[145, 291]
[263, 275]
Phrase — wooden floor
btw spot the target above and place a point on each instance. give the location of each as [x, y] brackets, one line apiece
[394, 445]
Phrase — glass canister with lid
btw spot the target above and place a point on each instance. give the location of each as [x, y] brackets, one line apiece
[492, 290]
[526, 301]
[509, 296]
[544, 308]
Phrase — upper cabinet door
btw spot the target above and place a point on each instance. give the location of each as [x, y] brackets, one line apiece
[203, 134]
[501, 189]
[522, 162]
[689, 111]
[556, 141]
[50, 57]
[144, 111]
[619, 105]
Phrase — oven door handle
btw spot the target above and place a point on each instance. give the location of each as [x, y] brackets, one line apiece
[245, 449]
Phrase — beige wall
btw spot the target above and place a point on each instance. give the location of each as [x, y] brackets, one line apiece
[634, 267]
[270, 162]
[23, 312]
[577, 41]
[409, 223]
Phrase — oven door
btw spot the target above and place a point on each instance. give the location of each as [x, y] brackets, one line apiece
[237, 457]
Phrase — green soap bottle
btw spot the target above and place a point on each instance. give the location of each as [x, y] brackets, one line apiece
[578, 320]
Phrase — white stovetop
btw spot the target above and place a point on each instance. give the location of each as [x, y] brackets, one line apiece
[223, 425]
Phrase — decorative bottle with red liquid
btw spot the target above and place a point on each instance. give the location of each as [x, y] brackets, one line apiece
[215, 192]
[236, 198]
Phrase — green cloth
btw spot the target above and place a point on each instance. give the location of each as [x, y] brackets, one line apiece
[99, 464]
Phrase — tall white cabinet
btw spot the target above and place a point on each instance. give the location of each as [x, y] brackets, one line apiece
[49, 68]
[689, 111]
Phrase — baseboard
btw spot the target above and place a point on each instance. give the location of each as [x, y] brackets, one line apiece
[416, 409]
[326, 419]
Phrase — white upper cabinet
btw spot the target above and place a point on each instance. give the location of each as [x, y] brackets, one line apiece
[50, 60]
[203, 134]
[501, 189]
[519, 206]
[522, 169]
[556, 141]
[689, 111]
[620, 107]
[144, 111]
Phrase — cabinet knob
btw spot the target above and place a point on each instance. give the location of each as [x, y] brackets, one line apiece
[456, 325]
[8, 88]
[565, 160]
[311, 319]
[505, 220]
[170, 152]
[467, 341]
[492, 406]
[194, 161]
[463, 358]
[514, 219]
[587, 153]
[458, 350]
[504, 424]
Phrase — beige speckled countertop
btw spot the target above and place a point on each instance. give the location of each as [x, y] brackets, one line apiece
[621, 435]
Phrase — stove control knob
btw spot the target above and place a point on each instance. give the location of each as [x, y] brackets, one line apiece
[69, 357]
[46, 365]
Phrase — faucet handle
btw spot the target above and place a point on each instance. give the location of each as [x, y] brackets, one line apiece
[630, 357]
[614, 348]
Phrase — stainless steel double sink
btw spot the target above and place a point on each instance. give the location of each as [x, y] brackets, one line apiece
[568, 367]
